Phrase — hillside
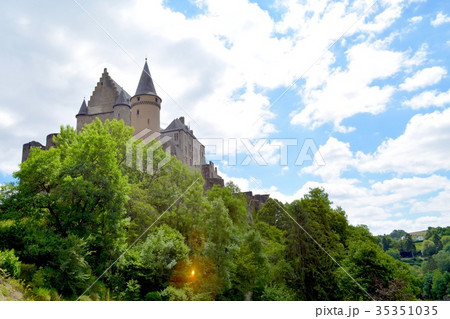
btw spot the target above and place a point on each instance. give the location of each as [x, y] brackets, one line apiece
[79, 210]
[11, 290]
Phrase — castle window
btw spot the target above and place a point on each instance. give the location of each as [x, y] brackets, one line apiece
[148, 121]
[101, 83]
[176, 136]
[138, 98]
[137, 112]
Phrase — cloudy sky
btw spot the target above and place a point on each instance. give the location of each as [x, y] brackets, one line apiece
[352, 96]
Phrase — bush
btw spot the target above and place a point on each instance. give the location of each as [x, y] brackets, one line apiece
[428, 248]
[27, 272]
[42, 294]
[153, 296]
[277, 293]
[393, 253]
[10, 263]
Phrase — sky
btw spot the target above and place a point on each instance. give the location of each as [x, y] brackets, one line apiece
[286, 95]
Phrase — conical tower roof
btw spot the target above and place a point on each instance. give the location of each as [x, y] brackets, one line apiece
[83, 108]
[145, 85]
[123, 99]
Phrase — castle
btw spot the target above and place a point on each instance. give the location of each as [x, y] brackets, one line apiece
[141, 111]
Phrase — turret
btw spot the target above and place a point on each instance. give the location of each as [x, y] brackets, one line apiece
[145, 104]
[82, 116]
[122, 108]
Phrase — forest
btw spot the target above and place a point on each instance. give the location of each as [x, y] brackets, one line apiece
[79, 224]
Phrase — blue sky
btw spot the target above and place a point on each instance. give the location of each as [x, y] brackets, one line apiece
[367, 82]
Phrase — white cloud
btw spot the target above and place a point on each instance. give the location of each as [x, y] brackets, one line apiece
[218, 65]
[427, 99]
[387, 205]
[438, 203]
[421, 149]
[415, 19]
[338, 158]
[349, 92]
[7, 119]
[424, 78]
[440, 19]
[411, 187]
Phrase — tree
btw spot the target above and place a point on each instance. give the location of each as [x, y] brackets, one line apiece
[428, 248]
[313, 274]
[234, 201]
[250, 266]
[71, 200]
[218, 227]
[407, 247]
[442, 260]
[273, 213]
[386, 242]
[437, 242]
[383, 277]
[151, 263]
[398, 234]
[439, 287]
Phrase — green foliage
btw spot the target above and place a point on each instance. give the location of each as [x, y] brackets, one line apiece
[250, 266]
[442, 260]
[13, 290]
[313, 269]
[439, 288]
[10, 263]
[132, 291]
[273, 213]
[153, 296]
[218, 226]
[234, 201]
[175, 294]
[428, 248]
[397, 234]
[46, 294]
[393, 253]
[150, 264]
[407, 247]
[277, 293]
[78, 188]
[379, 274]
[78, 206]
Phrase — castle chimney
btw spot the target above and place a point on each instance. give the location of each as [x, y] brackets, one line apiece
[182, 119]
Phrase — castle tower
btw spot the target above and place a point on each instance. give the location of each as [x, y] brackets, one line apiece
[145, 104]
[122, 108]
[82, 116]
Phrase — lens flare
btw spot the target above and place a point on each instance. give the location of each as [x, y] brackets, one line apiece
[193, 273]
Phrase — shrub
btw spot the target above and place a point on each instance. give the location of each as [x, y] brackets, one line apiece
[10, 263]
[153, 296]
[42, 294]
[27, 272]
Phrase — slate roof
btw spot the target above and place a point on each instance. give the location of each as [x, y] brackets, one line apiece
[177, 125]
[120, 89]
[145, 85]
[123, 99]
[83, 108]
